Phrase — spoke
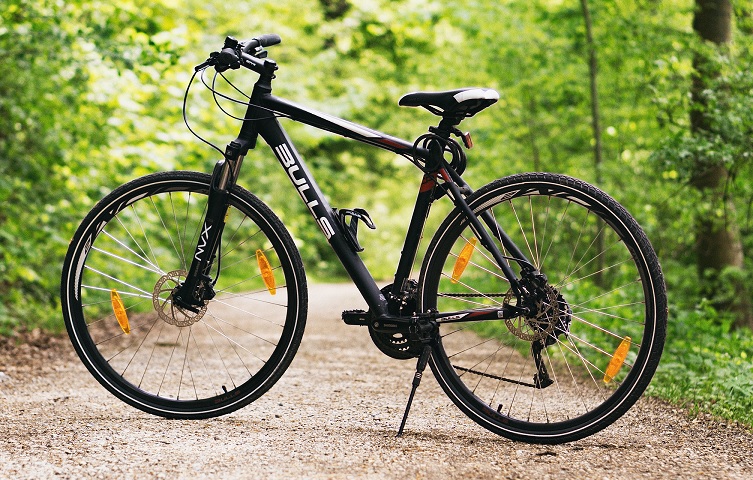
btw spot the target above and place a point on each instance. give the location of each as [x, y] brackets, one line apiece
[522, 231]
[248, 313]
[540, 259]
[118, 281]
[534, 256]
[170, 360]
[561, 286]
[579, 265]
[182, 253]
[130, 344]
[637, 280]
[186, 365]
[146, 238]
[577, 242]
[601, 312]
[248, 296]
[234, 344]
[473, 346]
[484, 269]
[167, 232]
[581, 320]
[557, 227]
[598, 386]
[108, 290]
[143, 258]
[250, 237]
[219, 320]
[594, 347]
[118, 257]
[219, 355]
[572, 375]
[151, 354]
[489, 259]
[206, 369]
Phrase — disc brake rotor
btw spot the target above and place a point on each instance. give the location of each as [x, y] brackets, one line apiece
[164, 306]
[542, 324]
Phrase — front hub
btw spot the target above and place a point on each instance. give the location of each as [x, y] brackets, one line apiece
[166, 308]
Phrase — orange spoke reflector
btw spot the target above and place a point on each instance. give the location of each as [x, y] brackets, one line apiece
[463, 259]
[615, 364]
[266, 272]
[120, 311]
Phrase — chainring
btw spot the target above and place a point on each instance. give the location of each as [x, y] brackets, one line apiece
[397, 344]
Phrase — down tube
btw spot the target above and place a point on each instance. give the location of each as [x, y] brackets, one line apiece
[276, 137]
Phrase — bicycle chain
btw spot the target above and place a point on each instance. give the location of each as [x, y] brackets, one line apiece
[475, 295]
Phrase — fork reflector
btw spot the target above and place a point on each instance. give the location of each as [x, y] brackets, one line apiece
[266, 272]
[120, 312]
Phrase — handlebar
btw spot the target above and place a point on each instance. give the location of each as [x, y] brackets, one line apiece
[235, 53]
[266, 40]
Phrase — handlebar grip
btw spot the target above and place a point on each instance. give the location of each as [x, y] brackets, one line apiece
[266, 40]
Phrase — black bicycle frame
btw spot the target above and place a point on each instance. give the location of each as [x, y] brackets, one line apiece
[262, 119]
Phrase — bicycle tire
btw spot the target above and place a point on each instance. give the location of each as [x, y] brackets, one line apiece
[608, 286]
[129, 252]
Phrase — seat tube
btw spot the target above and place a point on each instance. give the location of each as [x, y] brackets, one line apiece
[414, 233]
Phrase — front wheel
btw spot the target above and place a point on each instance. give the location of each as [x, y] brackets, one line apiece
[126, 259]
[593, 342]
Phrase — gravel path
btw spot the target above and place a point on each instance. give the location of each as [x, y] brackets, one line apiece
[334, 414]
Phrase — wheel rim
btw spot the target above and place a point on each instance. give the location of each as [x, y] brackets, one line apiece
[489, 369]
[207, 361]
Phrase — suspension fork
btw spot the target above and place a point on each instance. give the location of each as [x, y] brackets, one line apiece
[198, 286]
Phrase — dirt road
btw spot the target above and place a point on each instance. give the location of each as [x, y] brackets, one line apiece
[333, 415]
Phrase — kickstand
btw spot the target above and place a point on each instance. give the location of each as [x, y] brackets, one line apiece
[420, 367]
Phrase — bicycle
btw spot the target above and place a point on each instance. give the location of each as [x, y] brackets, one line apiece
[185, 296]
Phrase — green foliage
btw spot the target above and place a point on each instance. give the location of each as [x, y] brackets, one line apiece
[727, 105]
[706, 367]
[54, 109]
[93, 92]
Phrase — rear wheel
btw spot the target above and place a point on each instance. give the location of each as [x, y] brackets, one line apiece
[594, 339]
[123, 263]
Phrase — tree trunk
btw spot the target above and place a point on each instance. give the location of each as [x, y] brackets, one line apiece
[718, 243]
[593, 71]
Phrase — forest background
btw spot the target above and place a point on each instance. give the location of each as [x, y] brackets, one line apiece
[636, 96]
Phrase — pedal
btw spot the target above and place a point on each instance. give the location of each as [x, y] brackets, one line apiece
[356, 317]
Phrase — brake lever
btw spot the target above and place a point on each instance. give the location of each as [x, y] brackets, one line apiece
[227, 59]
[211, 61]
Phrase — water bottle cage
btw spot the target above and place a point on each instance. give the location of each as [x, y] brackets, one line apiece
[350, 229]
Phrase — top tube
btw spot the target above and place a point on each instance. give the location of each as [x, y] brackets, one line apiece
[341, 127]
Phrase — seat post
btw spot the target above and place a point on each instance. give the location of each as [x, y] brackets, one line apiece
[446, 127]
